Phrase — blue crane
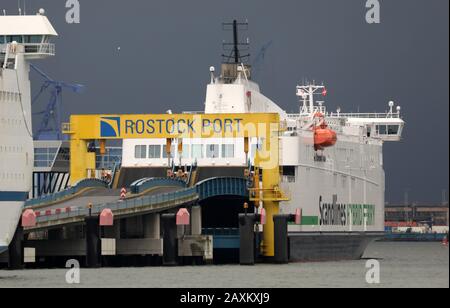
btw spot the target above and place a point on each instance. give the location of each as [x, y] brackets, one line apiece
[259, 59]
[52, 112]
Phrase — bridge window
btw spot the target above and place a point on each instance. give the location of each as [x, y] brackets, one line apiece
[387, 129]
[381, 129]
[392, 129]
[197, 151]
[154, 151]
[33, 39]
[212, 151]
[140, 151]
[227, 150]
[14, 38]
[2, 39]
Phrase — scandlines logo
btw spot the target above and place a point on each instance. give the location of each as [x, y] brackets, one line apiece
[110, 127]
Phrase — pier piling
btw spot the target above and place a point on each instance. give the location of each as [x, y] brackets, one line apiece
[281, 237]
[16, 257]
[93, 242]
[170, 242]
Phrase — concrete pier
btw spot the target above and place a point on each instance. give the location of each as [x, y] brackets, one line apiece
[135, 240]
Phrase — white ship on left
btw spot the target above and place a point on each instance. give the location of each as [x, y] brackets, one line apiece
[22, 38]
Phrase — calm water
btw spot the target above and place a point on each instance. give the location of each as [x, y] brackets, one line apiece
[402, 265]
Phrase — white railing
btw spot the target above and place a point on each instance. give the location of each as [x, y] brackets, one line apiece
[29, 48]
[385, 115]
[365, 115]
[46, 49]
[193, 112]
[293, 115]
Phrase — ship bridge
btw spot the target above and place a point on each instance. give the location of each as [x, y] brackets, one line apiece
[385, 126]
[26, 34]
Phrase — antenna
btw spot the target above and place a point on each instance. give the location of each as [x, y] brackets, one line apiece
[406, 197]
[236, 47]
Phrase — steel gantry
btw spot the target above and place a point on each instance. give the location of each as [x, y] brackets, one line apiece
[86, 129]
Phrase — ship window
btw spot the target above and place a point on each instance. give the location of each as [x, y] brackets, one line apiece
[393, 129]
[197, 151]
[185, 153]
[14, 38]
[381, 129]
[289, 170]
[172, 151]
[253, 150]
[2, 39]
[140, 151]
[154, 151]
[227, 150]
[212, 151]
[33, 39]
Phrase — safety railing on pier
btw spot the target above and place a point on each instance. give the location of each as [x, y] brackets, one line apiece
[156, 202]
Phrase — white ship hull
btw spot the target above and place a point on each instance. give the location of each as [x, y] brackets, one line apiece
[350, 179]
[22, 38]
[16, 148]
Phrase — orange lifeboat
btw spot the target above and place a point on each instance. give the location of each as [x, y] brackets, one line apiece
[323, 136]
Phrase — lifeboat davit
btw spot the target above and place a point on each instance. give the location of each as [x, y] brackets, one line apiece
[323, 136]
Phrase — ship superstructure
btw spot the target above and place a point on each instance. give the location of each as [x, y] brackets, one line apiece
[331, 162]
[22, 39]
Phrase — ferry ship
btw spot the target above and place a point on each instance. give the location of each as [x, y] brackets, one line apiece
[331, 162]
[22, 39]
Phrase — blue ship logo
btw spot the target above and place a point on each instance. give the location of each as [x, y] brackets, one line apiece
[110, 127]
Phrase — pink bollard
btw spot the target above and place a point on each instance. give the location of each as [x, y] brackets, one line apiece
[106, 218]
[263, 216]
[28, 218]
[298, 216]
[183, 217]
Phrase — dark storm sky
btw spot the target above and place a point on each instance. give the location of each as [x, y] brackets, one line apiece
[167, 47]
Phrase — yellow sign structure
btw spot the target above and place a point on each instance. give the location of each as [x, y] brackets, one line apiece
[84, 129]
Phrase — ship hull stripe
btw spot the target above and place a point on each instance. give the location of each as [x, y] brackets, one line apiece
[13, 196]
